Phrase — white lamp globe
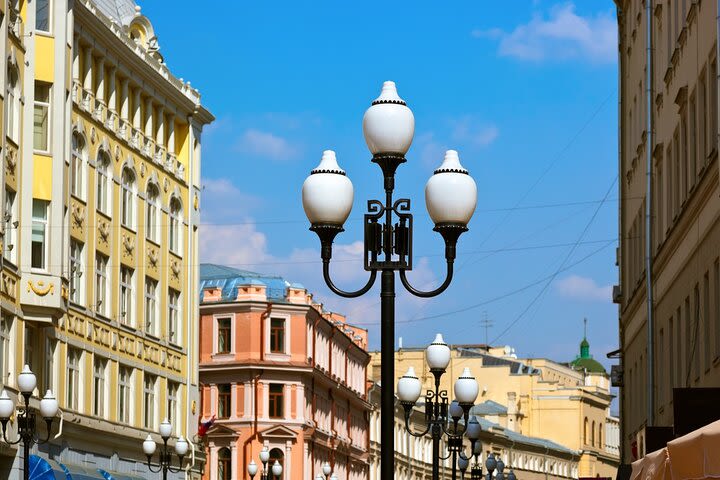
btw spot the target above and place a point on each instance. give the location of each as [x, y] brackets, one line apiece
[264, 455]
[451, 193]
[48, 405]
[252, 468]
[473, 429]
[319, 476]
[491, 463]
[478, 449]
[26, 380]
[277, 469]
[455, 410]
[388, 125]
[408, 388]
[7, 407]
[165, 429]
[149, 446]
[466, 387]
[463, 462]
[327, 193]
[326, 468]
[334, 476]
[438, 354]
[181, 446]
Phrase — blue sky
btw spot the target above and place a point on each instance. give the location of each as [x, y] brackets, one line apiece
[527, 95]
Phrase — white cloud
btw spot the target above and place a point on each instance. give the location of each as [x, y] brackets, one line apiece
[561, 35]
[467, 129]
[266, 144]
[583, 288]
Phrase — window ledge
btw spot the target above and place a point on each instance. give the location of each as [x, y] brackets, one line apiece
[78, 198]
[282, 357]
[127, 327]
[155, 243]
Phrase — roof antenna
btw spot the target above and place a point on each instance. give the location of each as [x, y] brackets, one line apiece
[585, 333]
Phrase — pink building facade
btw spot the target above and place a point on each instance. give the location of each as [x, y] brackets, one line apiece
[278, 371]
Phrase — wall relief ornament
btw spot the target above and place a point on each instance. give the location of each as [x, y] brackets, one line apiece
[175, 269]
[128, 245]
[10, 161]
[40, 288]
[78, 215]
[104, 231]
[153, 258]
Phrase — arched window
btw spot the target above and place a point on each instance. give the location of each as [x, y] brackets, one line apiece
[175, 221]
[151, 212]
[102, 180]
[224, 466]
[585, 432]
[600, 435]
[592, 438]
[77, 164]
[128, 198]
[277, 454]
[13, 101]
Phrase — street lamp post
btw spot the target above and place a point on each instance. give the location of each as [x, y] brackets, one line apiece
[267, 474]
[326, 473]
[441, 418]
[165, 460]
[450, 197]
[27, 426]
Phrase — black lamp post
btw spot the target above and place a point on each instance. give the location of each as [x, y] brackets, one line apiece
[165, 460]
[450, 196]
[441, 418]
[27, 426]
[267, 473]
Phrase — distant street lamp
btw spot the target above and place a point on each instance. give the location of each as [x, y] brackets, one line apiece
[450, 197]
[441, 418]
[27, 426]
[165, 461]
[274, 471]
[326, 473]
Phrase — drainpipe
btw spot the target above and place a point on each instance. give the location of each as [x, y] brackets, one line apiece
[648, 219]
[621, 216]
[190, 295]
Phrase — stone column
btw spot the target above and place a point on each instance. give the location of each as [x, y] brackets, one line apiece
[160, 135]
[100, 73]
[149, 114]
[137, 112]
[287, 468]
[124, 107]
[212, 461]
[76, 69]
[87, 78]
[112, 98]
[235, 464]
[171, 133]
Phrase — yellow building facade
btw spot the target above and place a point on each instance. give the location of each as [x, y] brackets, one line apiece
[101, 175]
[536, 398]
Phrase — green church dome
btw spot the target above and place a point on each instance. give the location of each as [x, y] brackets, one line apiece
[584, 361]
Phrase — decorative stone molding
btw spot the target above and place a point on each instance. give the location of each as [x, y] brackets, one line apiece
[8, 285]
[153, 258]
[78, 215]
[175, 269]
[128, 245]
[10, 160]
[40, 288]
[104, 231]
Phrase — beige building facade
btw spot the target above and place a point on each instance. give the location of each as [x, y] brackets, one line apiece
[673, 340]
[536, 398]
[100, 190]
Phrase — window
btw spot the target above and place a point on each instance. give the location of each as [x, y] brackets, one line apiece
[76, 271]
[38, 254]
[99, 366]
[126, 295]
[149, 401]
[29, 356]
[150, 306]
[224, 466]
[223, 338]
[275, 401]
[705, 318]
[277, 335]
[173, 316]
[42, 15]
[713, 94]
[175, 219]
[41, 130]
[702, 119]
[11, 226]
[101, 283]
[6, 321]
[223, 410]
[716, 294]
[585, 431]
[14, 107]
[128, 198]
[102, 179]
[73, 378]
[77, 165]
[172, 403]
[276, 455]
[692, 140]
[49, 370]
[151, 214]
[592, 437]
[600, 436]
[124, 393]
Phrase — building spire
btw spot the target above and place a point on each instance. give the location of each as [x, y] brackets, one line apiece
[585, 345]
